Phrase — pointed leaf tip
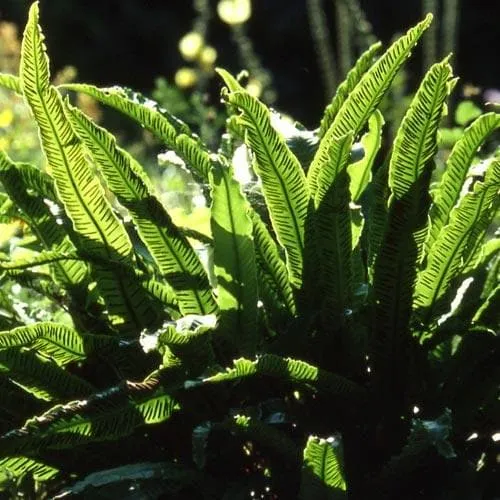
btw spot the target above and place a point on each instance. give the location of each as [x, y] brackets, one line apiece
[229, 79]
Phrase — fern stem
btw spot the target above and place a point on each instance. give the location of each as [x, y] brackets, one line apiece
[322, 44]
[364, 30]
[429, 40]
[451, 19]
[204, 14]
[344, 36]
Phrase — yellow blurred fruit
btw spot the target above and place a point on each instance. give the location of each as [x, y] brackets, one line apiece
[190, 45]
[208, 56]
[185, 78]
[6, 117]
[254, 87]
[234, 11]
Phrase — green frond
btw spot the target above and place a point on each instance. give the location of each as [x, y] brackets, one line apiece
[40, 182]
[177, 261]
[130, 308]
[362, 101]
[401, 248]
[169, 129]
[332, 227]
[287, 369]
[377, 215]
[487, 313]
[107, 415]
[490, 258]
[61, 343]
[347, 86]
[41, 376]
[283, 180]
[192, 348]
[41, 259]
[357, 225]
[415, 144]
[14, 467]
[11, 82]
[99, 230]
[488, 251]
[78, 188]
[271, 268]
[360, 172]
[448, 255]
[162, 291]
[322, 474]
[234, 261]
[447, 193]
[17, 180]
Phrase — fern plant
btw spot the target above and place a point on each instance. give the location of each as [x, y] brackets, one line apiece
[341, 343]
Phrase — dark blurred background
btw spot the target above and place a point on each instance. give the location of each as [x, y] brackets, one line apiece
[132, 42]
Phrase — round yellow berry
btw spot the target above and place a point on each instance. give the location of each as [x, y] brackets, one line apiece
[234, 11]
[185, 78]
[190, 45]
[254, 87]
[208, 56]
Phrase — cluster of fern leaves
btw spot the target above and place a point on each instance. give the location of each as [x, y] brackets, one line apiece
[342, 341]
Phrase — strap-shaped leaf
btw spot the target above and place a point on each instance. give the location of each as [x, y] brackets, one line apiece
[332, 227]
[367, 94]
[395, 268]
[106, 415]
[283, 180]
[41, 376]
[162, 291]
[78, 188]
[271, 268]
[11, 82]
[286, 369]
[352, 79]
[84, 200]
[415, 144]
[468, 221]
[176, 260]
[191, 347]
[447, 193]
[360, 173]
[38, 181]
[487, 314]
[17, 179]
[16, 467]
[489, 250]
[40, 259]
[493, 269]
[61, 343]
[234, 261]
[169, 129]
[377, 215]
[322, 474]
